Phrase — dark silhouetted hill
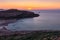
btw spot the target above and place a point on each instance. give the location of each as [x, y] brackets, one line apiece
[14, 13]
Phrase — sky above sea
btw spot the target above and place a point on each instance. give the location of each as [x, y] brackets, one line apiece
[30, 4]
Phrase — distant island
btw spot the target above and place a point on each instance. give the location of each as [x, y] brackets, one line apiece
[15, 13]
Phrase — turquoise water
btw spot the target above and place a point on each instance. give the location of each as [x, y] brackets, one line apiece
[46, 21]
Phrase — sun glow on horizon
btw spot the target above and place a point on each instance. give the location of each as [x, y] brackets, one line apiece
[30, 4]
[29, 8]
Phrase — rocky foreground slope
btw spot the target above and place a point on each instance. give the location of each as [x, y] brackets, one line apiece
[30, 35]
[6, 34]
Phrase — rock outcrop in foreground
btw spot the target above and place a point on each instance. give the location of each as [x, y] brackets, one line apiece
[30, 35]
[14, 13]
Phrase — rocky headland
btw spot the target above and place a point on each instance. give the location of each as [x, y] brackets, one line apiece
[14, 13]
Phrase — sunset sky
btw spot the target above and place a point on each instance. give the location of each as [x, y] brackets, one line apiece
[30, 4]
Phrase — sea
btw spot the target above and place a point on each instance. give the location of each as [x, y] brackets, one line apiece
[48, 20]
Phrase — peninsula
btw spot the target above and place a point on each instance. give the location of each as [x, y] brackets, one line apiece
[15, 13]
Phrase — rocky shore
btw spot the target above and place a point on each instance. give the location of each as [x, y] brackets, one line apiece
[29, 35]
[14, 13]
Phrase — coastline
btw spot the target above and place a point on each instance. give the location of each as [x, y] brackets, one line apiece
[15, 13]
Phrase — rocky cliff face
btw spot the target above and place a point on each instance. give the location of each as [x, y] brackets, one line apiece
[14, 13]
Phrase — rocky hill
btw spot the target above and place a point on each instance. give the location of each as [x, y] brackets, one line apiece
[14, 13]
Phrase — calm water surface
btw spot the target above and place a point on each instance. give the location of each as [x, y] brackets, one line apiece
[46, 21]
